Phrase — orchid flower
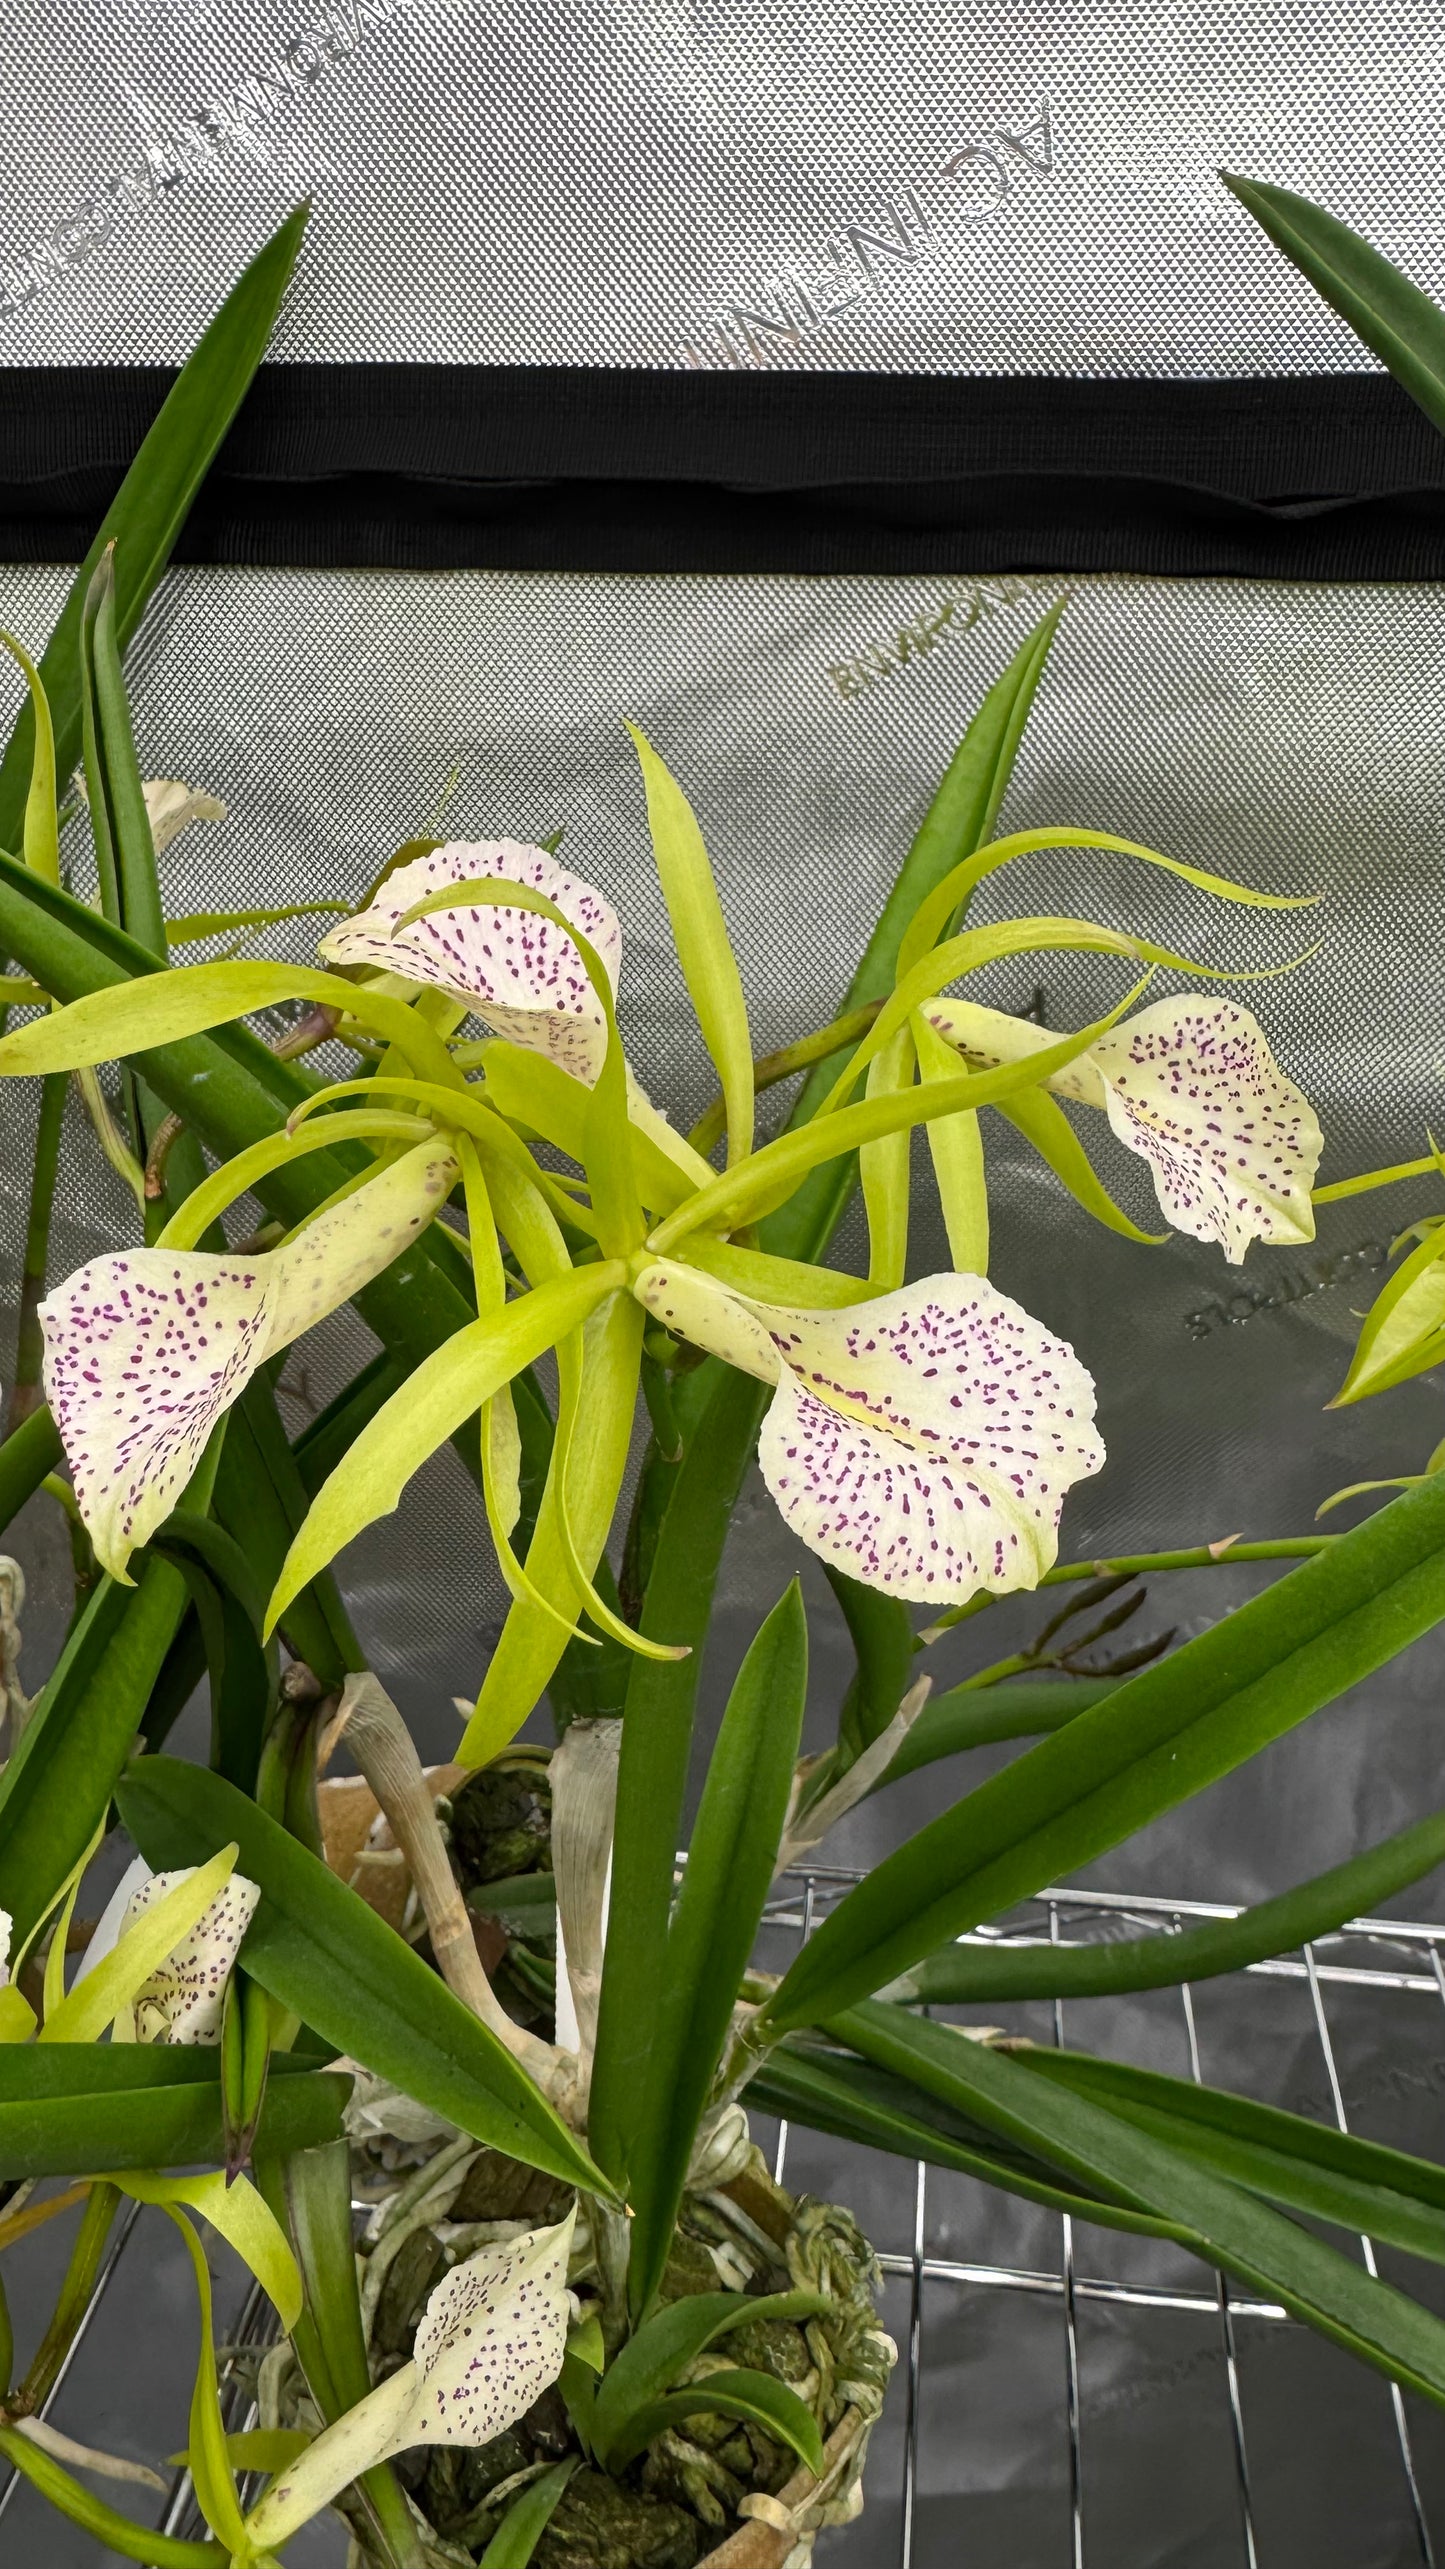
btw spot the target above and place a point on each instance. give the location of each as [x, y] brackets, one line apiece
[924, 1442]
[491, 2340]
[171, 807]
[145, 1351]
[1192, 1087]
[182, 2000]
[518, 972]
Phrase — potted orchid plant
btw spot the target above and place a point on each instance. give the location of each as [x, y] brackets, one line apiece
[465, 2061]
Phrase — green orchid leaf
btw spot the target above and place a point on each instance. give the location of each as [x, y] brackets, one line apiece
[121, 825]
[657, 1733]
[319, 1949]
[988, 1974]
[971, 1716]
[730, 1868]
[447, 1388]
[1042, 1121]
[154, 499]
[760, 2399]
[1244, 2236]
[261, 1500]
[1404, 1329]
[1388, 2194]
[671, 2340]
[40, 834]
[704, 950]
[883, 1643]
[1393, 317]
[28, 1453]
[78, 2109]
[835, 2092]
[229, 1606]
[58, 1783]
[527, 2519]
[1159, 1738]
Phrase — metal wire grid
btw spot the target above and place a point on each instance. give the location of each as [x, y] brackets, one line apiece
[1059, 1916]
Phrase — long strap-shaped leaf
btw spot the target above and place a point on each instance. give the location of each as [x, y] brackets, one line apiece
[319, 1949]
[1161, 1737]
[1404, 328]
[1248, 2238]
[993, 1972]
[153, 501]
[730, 1867]
[657, 1733]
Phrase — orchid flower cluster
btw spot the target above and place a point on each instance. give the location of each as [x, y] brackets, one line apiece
[921, 1436]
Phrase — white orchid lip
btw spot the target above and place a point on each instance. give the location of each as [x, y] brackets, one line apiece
[182, 2000]
[517, 971]
[925, 1442]
[491, 2340]
[145, 1351]
[1234, 1146]
[1191, 1086]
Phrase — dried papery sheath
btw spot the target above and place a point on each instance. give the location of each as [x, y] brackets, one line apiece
[1192, 1087]
[583, 1775]
[181, 2002]
[144, 1352]
[518, 972]
[925, 1442]
[491, 2340]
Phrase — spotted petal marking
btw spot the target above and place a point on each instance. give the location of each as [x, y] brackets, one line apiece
[926, 1442]
[1193, 1088]
[492, 2338]
[145, 1351]
[516, 971]
[181, 2002]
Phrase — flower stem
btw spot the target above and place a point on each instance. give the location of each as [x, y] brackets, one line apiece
[74, 2300]
[1344, 1186]
[1199, 1556]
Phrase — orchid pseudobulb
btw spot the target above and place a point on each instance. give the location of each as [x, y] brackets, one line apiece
[145, 1351]
[491, 2340]
[924, 1442]
[1192, 1087]
[517, 971]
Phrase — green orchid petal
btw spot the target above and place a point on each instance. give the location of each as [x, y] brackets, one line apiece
[145, 1351]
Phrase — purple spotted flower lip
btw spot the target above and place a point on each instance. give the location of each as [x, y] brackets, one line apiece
[182, 2000]
[491, 2340]
[924, 1442]
[515, 970]
[1191, 1086]
[145, 1351]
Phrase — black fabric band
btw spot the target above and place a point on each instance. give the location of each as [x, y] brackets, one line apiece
[438, 467]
